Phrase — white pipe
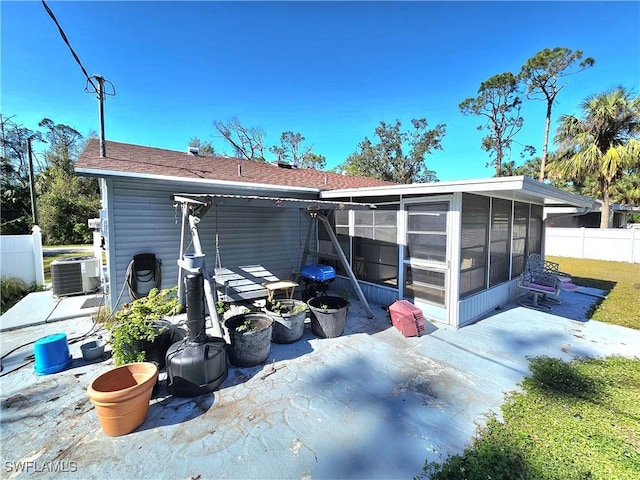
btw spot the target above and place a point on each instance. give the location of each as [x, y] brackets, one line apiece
[208, 292]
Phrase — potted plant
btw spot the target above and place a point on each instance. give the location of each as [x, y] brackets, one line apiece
[250, 337]
[139, 332]
[288, 317]
[328, 315]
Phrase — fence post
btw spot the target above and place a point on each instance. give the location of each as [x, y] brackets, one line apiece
[582, 240]
[37, 255]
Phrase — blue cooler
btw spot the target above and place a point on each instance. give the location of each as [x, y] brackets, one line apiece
[51, 354]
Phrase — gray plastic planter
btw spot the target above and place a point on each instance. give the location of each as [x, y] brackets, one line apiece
[288, 327]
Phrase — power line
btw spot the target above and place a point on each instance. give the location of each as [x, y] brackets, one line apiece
[64, 38]
[96, 89]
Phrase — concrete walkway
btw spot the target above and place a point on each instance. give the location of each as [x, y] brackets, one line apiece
[369, 404]
[43, 307]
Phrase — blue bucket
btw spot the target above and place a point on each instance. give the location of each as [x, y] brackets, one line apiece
[52, 354]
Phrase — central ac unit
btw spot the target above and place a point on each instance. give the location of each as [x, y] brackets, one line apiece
[74, 275]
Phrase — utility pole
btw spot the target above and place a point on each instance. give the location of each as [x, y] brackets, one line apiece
[32, 184]
[103, 146]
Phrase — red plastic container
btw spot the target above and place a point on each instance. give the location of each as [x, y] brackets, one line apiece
[407, 318]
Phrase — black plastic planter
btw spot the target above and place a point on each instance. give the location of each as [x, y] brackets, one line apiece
[251, 347]
[156, 349]
[328, 315]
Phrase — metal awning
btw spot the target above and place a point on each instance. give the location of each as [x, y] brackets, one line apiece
[204, 201]
[195, 206]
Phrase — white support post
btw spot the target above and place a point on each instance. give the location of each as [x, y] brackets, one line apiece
[36, 237]
[181, 292]
[208, 292]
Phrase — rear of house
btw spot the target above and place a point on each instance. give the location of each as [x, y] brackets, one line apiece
[456, 249]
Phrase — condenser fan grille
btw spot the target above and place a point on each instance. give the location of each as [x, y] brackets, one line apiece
[67, 275]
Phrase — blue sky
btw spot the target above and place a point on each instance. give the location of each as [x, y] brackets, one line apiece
[329, 70]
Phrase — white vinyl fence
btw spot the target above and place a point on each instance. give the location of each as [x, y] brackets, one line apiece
[614, 244]
[21, 256]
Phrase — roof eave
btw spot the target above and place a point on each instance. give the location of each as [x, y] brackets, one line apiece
[96, 172]
[554, 196]
[546, 194]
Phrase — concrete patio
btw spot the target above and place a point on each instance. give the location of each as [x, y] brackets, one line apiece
[369, 404]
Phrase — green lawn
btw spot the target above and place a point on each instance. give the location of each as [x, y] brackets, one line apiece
[577, 420]
[621, 280]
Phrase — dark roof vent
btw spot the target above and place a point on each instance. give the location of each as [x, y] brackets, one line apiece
[193, 151]
[283, 164]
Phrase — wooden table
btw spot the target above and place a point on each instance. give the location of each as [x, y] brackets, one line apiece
[272, 287]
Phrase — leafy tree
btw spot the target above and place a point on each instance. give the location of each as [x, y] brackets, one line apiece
[15, 197]
[313, 160]
[65, 201]
[16, 204]
[499, 102]
[291, 149]
[627, 190]
[65, 143]
[603, 143]
[543, 76]
[398, 156]
[205, 149]
[508, 169]
[66, 206]
[247, 142]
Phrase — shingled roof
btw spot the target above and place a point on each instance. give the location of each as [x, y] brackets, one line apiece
[126, 160]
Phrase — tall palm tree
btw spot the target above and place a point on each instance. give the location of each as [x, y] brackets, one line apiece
[604, 142]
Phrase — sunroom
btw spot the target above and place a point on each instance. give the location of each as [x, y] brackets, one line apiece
[455, 249]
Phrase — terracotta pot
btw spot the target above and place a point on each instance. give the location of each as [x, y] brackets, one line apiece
[121, 396]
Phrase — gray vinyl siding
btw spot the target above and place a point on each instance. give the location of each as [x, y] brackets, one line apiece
[143, 220]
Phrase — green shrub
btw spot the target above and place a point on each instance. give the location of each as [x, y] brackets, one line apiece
[15, 289]
[137, 321]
